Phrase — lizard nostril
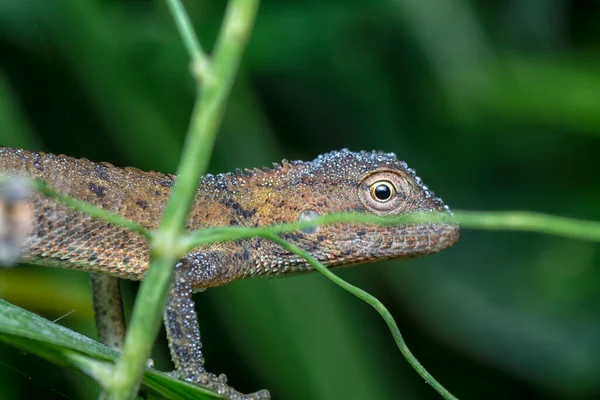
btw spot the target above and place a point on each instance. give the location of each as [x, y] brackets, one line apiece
[309, 215]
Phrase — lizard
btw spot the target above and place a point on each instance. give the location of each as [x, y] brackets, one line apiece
[340, 181]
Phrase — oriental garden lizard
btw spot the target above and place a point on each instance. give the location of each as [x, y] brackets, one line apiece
[340, 181]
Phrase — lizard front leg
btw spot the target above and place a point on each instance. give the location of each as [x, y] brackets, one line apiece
[183, 333]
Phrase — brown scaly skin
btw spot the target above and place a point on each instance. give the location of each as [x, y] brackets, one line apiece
[335, 182]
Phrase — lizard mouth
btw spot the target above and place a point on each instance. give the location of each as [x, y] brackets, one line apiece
[366, 243]
[425, 239]
[406, 241]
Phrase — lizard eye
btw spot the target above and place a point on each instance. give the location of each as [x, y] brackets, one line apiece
[382, 191]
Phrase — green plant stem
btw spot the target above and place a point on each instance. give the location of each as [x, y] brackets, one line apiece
[186, 30]
[208, 112]
[82, 206]
[91, 209]
[530, 222]
[219, 234]
[373, 302]
[205, 121]
[100, 371]
[505, 220]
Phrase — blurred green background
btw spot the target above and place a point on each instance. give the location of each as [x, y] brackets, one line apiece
[495, 104]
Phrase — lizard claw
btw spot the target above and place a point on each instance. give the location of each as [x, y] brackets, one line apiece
[218, 384]
[261, 394]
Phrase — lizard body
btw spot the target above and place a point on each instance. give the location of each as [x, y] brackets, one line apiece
[340, 181]
[290, 191]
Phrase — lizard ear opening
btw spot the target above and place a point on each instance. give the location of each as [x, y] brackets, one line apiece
[383, 192]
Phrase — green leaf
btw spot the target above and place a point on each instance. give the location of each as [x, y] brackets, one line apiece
[63, 346]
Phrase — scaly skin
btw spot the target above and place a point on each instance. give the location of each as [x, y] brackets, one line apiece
[333, 182]
[339, 181]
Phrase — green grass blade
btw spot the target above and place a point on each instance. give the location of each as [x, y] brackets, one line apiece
[63, 346]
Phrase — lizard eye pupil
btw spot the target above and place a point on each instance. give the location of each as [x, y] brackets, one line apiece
[382, 191]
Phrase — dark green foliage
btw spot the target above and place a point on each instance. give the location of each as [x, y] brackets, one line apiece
[495, 104]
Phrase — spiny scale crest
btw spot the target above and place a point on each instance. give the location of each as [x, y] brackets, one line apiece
[340, 164]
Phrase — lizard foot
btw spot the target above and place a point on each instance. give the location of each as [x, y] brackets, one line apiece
[218, 384]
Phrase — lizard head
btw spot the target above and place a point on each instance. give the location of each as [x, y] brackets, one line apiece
[366, 182]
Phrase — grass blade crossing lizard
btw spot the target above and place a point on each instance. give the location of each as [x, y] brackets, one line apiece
[340, 181]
